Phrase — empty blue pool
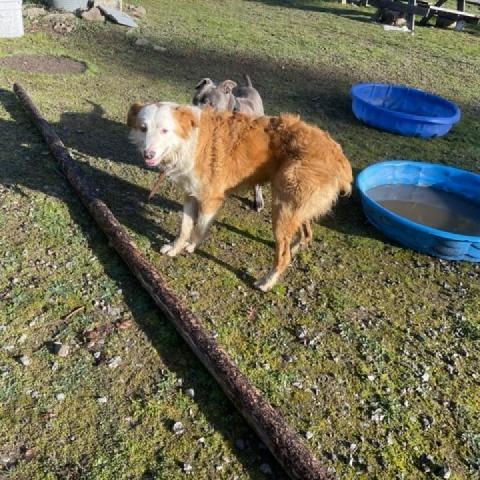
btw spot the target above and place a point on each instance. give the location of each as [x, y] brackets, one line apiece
[404, 110]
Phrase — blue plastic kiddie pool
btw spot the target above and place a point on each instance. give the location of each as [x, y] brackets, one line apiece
[432, 193]
[404, 110]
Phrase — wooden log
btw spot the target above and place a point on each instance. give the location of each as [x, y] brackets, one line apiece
[282, 441]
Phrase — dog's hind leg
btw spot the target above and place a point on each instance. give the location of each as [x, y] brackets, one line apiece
[285, 225]
[188, 221]
[307, 235]
[304, 237]
[258, 202]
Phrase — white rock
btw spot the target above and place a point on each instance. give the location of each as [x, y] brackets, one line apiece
[93, 15]
[24, 360]
[142, 42]
[115, 362]
[178, 428]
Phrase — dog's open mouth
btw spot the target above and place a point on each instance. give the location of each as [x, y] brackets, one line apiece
[152, 162]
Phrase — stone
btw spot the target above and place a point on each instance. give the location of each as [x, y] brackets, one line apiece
[187, 468]
[115, 362]
[24, 360]
[117, 16]
[93, 15]
[444, 472]
[190, 392]
[60, 397]
[142, 42]
[178, 428]
[61, 349]
[102, 399]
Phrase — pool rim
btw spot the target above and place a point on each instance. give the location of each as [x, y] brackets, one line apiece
[360, 183]
[451, 120]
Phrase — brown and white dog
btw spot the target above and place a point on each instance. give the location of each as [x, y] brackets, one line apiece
[210, 154]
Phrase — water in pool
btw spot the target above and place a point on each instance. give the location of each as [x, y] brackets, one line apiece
[429, 206]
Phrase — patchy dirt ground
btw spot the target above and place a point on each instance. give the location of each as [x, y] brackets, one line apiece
[370, 350]
[51, 64]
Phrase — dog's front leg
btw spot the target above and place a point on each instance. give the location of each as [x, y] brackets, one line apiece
[190, 208]
[206, 213]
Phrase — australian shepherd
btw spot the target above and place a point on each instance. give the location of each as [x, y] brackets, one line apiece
[210, 154]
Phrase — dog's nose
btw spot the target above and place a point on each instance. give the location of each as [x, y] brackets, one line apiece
[148, 154]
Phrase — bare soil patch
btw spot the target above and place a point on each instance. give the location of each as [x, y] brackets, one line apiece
[52, 64]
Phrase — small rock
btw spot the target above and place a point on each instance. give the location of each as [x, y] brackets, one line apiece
[187, 468]
[178, 428]
[308, 435]
[61, 349]
[266, 469]
[425, 377]
[115, 362]
[444, 472]
[179, 383]
[24, 360]
[60, 397]
[102, 399]
[142, 42]
[190, 392]
[160, 48]
[93, 15]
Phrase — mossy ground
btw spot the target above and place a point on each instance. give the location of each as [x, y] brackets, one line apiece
[372, 348]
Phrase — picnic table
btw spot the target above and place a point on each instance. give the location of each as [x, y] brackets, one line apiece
[427, 10]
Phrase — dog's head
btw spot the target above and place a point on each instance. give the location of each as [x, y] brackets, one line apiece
[160, 129]
[207, 94]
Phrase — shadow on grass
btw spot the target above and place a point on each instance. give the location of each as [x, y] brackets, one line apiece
[174, 353]
[350, 13]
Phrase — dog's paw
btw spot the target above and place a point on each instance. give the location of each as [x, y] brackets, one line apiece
[190, 247]
[169, 249]
[267, 282]
[258, 205]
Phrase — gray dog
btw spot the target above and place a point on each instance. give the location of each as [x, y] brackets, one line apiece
[230, 97]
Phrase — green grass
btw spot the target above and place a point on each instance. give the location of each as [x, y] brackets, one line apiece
[392, 336]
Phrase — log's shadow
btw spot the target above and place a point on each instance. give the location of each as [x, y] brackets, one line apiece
[27, 148]
[350, 13]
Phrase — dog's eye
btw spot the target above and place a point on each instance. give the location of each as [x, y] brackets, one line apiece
[143, 128]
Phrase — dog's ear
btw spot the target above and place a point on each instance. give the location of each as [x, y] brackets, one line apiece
[133, 113]
[203, 83]
[227, 86]
[186, 120]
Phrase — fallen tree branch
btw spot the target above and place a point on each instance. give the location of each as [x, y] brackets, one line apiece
[282, 441]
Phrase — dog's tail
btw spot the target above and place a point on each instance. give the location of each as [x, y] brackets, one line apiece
[247, 79]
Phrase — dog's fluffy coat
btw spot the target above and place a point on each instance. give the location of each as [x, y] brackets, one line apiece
[210, 154]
